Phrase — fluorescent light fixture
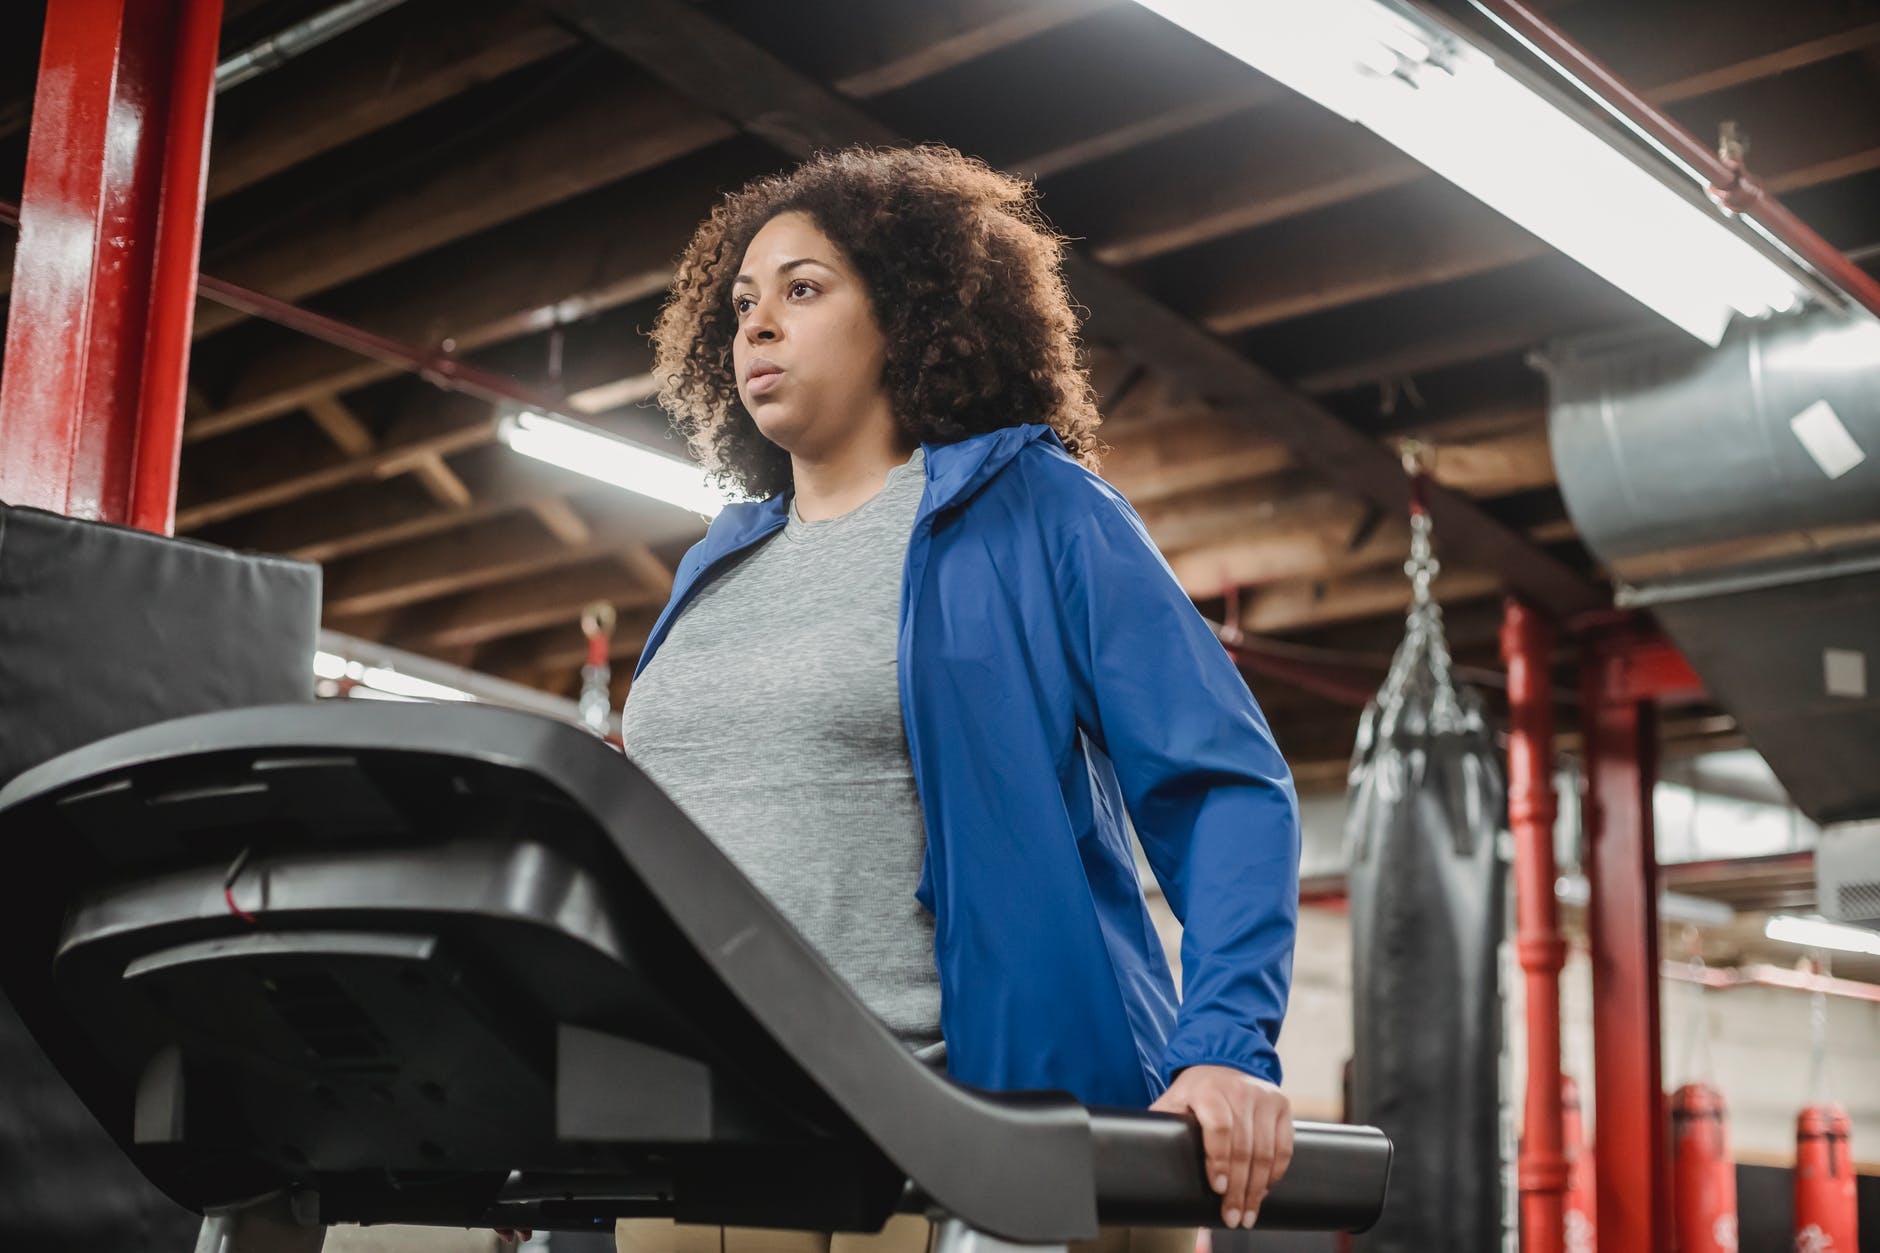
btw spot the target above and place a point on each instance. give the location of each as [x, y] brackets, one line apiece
[1818, 932]
[1447, 104]
[382, 681]
[597, 454]
[1672, 906]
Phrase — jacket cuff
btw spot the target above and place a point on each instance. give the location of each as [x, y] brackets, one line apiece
[1259, 1061]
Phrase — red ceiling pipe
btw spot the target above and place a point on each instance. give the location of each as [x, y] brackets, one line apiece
[1527, 641]
[1299, 674]
[437, 368]
[90, 407]
[1730, 183]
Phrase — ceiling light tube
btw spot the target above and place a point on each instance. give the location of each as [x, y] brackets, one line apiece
[1818, 932]
[1446, 103]
[597, 454]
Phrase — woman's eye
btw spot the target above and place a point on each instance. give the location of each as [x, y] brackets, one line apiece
[741, 304]
[800, 287]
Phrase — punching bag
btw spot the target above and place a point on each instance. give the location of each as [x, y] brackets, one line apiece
[1581, 1227]
[1826, 1218]
[1703, 1176]
[1427, 809]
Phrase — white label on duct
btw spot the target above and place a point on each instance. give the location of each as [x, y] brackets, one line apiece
[1844, 672]
[1827, 441]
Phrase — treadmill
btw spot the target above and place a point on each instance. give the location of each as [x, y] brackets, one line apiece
[463, 966]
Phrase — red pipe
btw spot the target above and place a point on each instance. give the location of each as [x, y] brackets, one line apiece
[108, 233]
[1305, 677]
[1764, 976]
[1527, 641]
[1730, 183]
[437, 368]
[178, 245]
[1619, 744]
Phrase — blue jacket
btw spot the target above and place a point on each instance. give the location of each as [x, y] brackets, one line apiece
[1053, 674]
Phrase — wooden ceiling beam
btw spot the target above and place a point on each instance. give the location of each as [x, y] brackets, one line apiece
[442, 565]
[436, 432]
[928, 39]
[593, 253]
[1493, 452]
[591, 133]
[420, 54]
[1429, 234]
[365, 514]
[522, 605]
[559, 648]
[482, 555]
[1680, 49]
[1147, 130]
[729, 75]
[436, 477]
[1300, 604]
[344, 428]
[609, 248]
[1297, 160]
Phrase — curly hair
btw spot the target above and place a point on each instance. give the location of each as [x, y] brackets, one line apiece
[964, 277]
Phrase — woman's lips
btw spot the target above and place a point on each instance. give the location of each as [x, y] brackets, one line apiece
[759, 384]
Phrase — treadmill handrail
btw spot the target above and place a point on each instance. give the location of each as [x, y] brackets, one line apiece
[1024, 1169]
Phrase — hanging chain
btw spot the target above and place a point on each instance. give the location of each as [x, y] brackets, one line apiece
[1424, 639]
[1422, 567]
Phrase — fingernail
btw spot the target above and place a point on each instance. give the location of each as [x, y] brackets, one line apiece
[1253, 1216]
[1220, 1183]
[1233, 1218]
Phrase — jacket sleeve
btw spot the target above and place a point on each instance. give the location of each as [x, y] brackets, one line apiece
[1211, 798]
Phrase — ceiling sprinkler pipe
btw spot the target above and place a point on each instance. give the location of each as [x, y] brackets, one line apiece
[1729, 182]
[278, 49]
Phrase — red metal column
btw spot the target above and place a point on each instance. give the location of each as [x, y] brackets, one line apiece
[104, 287]
[1620, 730]
[1527, 641]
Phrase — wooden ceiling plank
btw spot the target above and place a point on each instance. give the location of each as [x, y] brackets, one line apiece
[562, 521]
[346, 431]
[517, 607]
[644, 564]
[596, 133]
[421, 54]
[559, 648]
[366, 514]
[1143, 131]
[483, 556]
[439, 434]
[729, 75]
[1767, 65]
[443, 565]
[438, 478]
[600, 251]
[939, 37]
[1326, 263]
[1299, 604]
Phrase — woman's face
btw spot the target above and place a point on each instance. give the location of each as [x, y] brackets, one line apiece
[808, 353]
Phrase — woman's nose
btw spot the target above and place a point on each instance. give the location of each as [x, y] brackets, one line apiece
[759, 326]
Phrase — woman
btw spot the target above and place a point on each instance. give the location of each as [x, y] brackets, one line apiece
[914, 685]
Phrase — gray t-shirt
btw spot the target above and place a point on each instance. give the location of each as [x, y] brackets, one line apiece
[772, 716]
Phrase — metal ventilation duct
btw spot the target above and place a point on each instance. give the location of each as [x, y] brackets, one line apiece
[1735, 493]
